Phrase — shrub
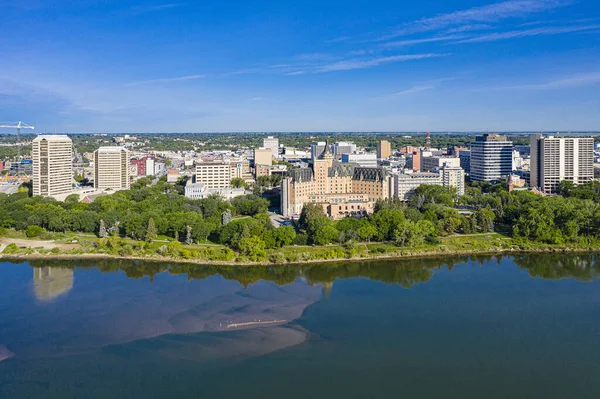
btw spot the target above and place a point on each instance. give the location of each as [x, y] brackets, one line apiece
[10, 249]
[34, 231]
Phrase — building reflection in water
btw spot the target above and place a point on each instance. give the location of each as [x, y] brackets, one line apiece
[50, 283]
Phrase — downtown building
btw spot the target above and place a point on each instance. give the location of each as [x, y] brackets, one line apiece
[491, 158]
[384, 149]
[111, 168]
[342, 189]
[52, 161]
[554, 159]
[272, 143]
[219, 174]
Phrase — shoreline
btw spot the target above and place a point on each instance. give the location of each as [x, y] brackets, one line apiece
[200, 262]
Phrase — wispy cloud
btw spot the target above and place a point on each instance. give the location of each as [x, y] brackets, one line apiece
[167, 80]
[468, 28]
[294, 73]
[414, 89]
[410, 42]
[418, 88]
[527, 32]
[565, 83]
[155, 8]
[347, 65]
[484, 14]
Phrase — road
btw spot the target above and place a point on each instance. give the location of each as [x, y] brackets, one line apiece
[276, 219]
[9, 188]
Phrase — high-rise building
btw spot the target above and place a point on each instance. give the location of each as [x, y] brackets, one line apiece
[343, 147]
[263, 156]
[52, 157]
[491, 158]
[453, 176]
[384, 149]
[364, 160]
[554, 159]
[111, 168]
[272, 143]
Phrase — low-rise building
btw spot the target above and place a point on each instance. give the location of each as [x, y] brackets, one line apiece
[201, 191]
[429, 164]
[404, 184]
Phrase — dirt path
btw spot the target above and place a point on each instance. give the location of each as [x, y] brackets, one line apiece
[27, 243]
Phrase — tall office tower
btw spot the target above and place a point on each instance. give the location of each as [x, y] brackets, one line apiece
[343, 147]
[453, 176]
[111, 168]
[555, 159]
[52, 157]
[272, 143]
[316, 149]
[384, 149]
[491, 158]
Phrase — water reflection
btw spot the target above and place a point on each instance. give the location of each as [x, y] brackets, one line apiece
[51, 282]
[140, 300]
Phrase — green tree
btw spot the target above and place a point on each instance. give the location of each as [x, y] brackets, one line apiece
[238, 182]
[150, 231]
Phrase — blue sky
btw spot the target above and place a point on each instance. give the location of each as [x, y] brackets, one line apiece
[439, 65]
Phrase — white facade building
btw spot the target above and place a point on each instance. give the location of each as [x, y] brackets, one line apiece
[111, 168]
[272, 143]
[52, 157]
[364, 160]
[343, 147]
[404, 184]
[555, 159]
[200, 191]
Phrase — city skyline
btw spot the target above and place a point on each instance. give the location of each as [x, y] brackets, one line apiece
[460, 65]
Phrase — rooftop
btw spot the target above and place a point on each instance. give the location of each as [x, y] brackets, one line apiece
[52, 137]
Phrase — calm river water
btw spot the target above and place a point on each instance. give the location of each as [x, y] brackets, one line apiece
[526, 326]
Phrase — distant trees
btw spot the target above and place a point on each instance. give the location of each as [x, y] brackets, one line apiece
[238, 182]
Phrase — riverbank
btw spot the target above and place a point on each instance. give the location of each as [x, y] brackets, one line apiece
[70, 248]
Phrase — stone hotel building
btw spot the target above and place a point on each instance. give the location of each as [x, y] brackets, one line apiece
[343, 189]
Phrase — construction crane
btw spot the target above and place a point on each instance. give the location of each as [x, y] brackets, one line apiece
[19, 125]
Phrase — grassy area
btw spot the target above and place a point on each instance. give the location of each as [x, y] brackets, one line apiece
[74, 244]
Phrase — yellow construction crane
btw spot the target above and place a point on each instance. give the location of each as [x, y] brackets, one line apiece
[18, 125]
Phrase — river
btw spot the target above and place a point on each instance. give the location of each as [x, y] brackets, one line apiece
[523, 326]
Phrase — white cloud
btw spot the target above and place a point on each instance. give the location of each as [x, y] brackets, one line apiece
[565, 83]
[167, 80]
[483, 14]
[411, 42]
[346, 65]
[526, 33]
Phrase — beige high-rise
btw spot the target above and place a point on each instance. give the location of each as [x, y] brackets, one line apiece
[52, 157]
[384, 149]
[111, 168]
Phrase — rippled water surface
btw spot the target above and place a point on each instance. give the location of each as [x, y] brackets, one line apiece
[502, 327]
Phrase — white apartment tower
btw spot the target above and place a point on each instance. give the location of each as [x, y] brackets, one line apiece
[554, 159]
[111, 168]
[52, 157]
[272, 143]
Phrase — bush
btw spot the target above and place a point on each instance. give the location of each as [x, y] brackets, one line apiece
[10, 249]
[301, 239]
[34, 231]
